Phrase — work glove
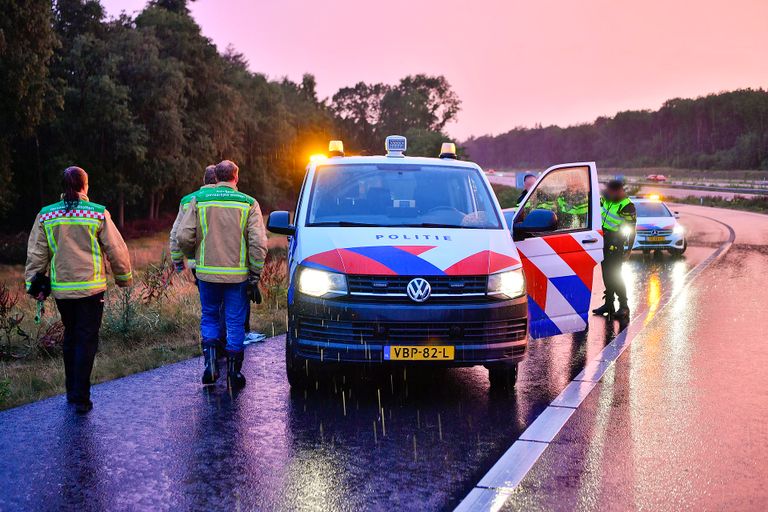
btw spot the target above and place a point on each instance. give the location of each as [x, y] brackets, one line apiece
[179, 266]
[40, 287]
[254, 294]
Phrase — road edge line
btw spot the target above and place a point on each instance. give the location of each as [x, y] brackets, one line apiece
[506, 474]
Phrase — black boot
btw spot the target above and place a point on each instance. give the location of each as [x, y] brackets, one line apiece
[623, 311]
[221, 348]
[211, 372]
[83, 407]
[235, 379]
[604, 310]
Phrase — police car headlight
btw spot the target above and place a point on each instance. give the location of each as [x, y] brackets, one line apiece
[319, 283]
[678, 229]
[509, 284]
[626, 230]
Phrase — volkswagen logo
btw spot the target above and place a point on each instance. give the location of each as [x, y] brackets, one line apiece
[419, 289]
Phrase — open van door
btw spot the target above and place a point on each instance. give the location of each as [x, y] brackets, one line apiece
[560, 254]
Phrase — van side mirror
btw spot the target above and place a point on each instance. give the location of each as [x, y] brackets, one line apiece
[535, 221]
[279, 222]
[676, 214]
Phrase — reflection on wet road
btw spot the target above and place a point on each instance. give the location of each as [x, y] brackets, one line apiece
[407, 440]
[680, 422]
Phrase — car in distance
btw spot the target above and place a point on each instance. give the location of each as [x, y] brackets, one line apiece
[657, 228]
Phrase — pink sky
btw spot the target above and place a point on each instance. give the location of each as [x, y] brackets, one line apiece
[512, 63]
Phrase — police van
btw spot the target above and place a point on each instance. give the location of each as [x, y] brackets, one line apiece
[406, 260]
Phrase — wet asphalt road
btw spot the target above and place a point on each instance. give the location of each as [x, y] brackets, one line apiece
[681, 422]
[402, 441]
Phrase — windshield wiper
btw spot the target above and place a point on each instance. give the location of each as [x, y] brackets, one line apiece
[344, 223]
[433, 225]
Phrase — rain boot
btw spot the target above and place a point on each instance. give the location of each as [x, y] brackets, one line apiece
[604, 310]
[623, 311]
[211, 372]
[83, 407]
[221, 348]
[235, 379]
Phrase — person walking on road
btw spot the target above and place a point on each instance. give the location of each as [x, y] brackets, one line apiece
[617, 211]
[177, 257]
[224, 232]
[71, 238]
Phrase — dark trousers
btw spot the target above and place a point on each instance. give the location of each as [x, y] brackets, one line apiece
[613, 257]
[82, 321]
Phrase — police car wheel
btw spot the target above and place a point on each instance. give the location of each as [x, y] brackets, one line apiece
[678, 252]
[298, 370]
[502, 377]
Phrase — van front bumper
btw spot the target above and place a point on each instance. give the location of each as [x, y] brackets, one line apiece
[347, 331]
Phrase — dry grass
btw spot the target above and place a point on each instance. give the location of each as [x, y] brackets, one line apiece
[153, 324]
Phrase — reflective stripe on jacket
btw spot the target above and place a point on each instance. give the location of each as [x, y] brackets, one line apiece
[177, 255]
[611, 213]
[572, 209]
[223, 231]
[73, 244]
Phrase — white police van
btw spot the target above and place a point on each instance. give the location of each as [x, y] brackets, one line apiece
[407, 260]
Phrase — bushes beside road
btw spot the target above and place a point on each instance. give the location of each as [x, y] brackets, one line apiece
[150, 325]
[750, 204]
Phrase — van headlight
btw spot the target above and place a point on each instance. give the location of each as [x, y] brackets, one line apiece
[678, 229]
[509, 284]
[319, 283]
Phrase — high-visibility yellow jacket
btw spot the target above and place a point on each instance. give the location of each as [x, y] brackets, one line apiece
[614, 214]
[224, 232]
[177, 255]
[73, 243]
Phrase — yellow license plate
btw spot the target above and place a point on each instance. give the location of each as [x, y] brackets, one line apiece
[657, 239]
[418, 353]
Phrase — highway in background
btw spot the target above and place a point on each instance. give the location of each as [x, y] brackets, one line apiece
[677, 422]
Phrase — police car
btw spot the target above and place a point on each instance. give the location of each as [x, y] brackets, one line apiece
[397, 260]
[657, 227]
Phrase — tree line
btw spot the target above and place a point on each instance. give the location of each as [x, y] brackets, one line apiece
[145, 102]
[719, 131]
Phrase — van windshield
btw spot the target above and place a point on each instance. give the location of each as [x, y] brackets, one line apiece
[402, 195]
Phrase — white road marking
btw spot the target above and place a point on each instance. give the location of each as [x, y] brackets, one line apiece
[506, 474]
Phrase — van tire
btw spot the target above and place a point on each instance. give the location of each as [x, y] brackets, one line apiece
[297, 370]
[502, 377]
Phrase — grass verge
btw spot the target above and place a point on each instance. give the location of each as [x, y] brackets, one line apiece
[150, 325]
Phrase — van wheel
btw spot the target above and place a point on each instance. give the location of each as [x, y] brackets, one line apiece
[502, 377]
[297, 369]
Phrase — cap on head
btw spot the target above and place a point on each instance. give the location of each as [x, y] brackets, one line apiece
[210, 175]
[615, 185]
[227, 170]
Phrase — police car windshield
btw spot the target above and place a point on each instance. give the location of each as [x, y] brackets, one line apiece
[401, 195]
[651, 209]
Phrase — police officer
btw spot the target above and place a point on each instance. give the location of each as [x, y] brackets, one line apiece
[72, 237]
[617, 211]
[528, 181]
[224, 231]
